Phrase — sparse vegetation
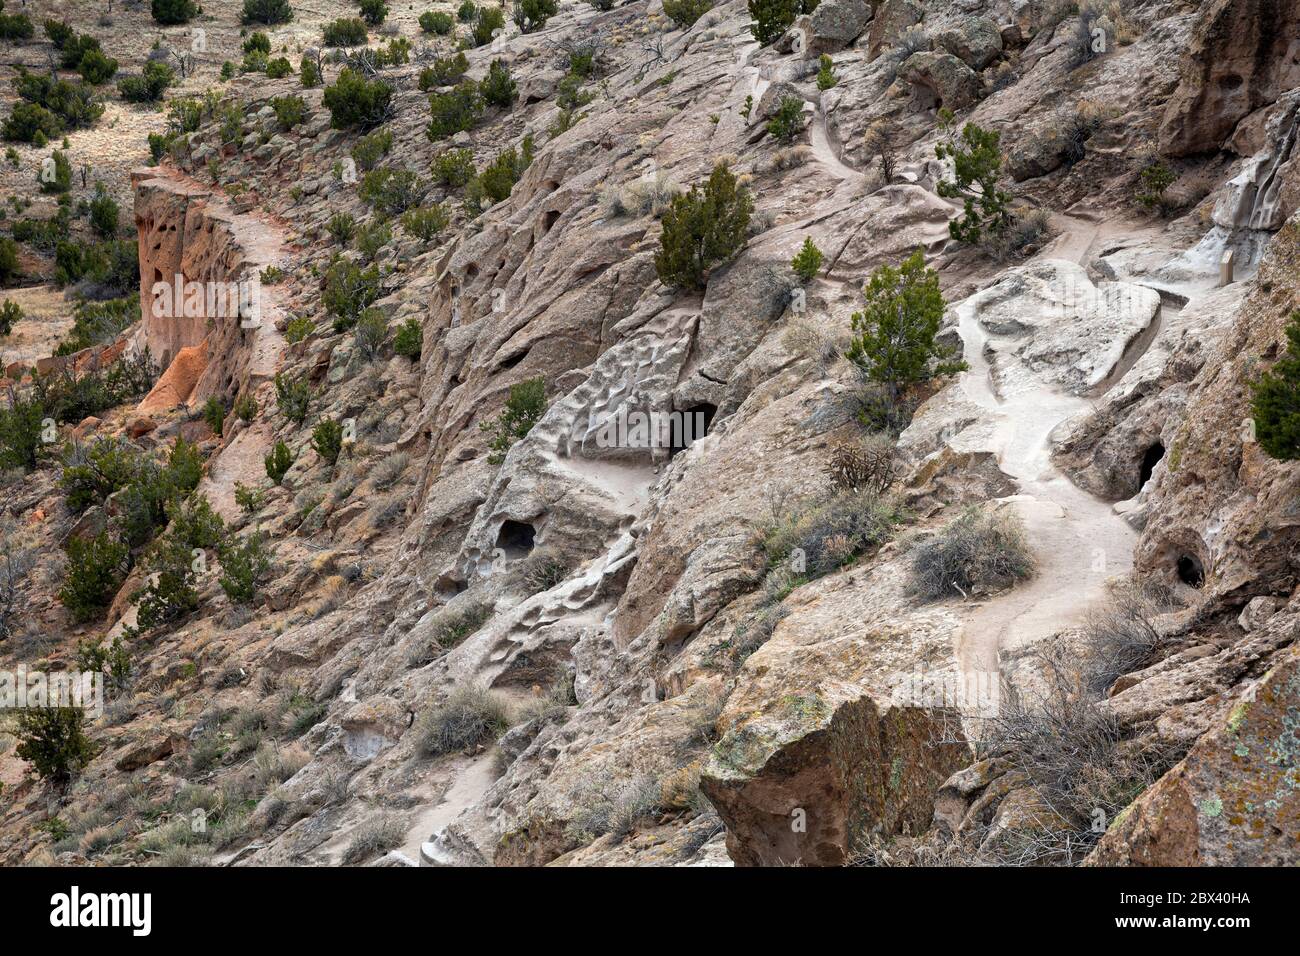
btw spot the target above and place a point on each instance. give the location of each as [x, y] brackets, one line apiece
[976, 553]
[524, 408]
[702, 228]
[1275, 404]
[53, 741]
[468, 718]
[807, 261]
[976, 165]
[278, 462]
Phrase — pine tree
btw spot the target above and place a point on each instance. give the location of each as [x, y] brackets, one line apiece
[1276, 402]
[808, 261]
[702, 228]
[977, 163]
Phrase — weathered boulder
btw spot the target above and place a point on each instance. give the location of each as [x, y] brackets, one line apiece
[939, 80]
[803, 784]
[833, 26]
[1240, 58]
[176, 386]
[975, 40]
[1234, 800]
[892, 19]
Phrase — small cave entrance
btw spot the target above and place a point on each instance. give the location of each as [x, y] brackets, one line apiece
[690, 426]
[516, 538]
[1190, 570]
[1150, 459]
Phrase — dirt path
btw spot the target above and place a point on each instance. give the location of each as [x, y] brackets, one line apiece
[468, 785]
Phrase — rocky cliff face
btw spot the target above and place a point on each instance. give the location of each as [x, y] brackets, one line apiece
[679, 693]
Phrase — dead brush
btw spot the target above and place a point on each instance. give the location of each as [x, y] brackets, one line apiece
[976, 551]
[867, 464]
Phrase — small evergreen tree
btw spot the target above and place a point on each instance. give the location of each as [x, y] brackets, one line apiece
[808, 261]
[498, 88]
[269, 12]
[894, 336]
[531, 15]
[1275, 405]
[53, 740]
[977, 163]
[172, 12]
[701, 228]
[524, 408]
[278, 462]
[327, 439]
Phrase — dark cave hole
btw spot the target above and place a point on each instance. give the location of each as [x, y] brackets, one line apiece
[550, 220]
[1149, 462]
[1190, 571]
[516, 538]
[690, 426]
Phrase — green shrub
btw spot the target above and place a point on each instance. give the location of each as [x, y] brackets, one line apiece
[808, 261]
[96, 68]
[148, 86]
[469, 717]
[370, 333]
[497, 88]
[826, 534]
[1154, 180]
[345, 31]
[787, 122]
[893, 342]
[524, 408]
[257, 42]
[466, 12]
[702, 228]
[96, 569]
[55, 174]
[194, 524]
[292, 395]
[30, 120]
[104, 214]
[684, 13]
[369, 240]
[374, 11]
[1275, 404]
[391, 191]
[977, 163]
[278, 462]
[531, 15]
[444, 71]
[487, 20]
[255, 61]
[243, 566]
[16, 27]
[214, 413]
[279, 68]
[354, 101]
[409, 339]
[245, 407]
[73, 102]
[269, 12]
[977, 550]
[170, 594]
[309, 72]
[9, 269]
[348, 290]
[436, 22]
[826, 73]
[454, 112]
[172, 12]
[91, 475]
[771, 18]
[249, 499]
[371, 148]
[426, 223]
[289, 110]
[327, 439]
[11, 313]
[53, 741]
[454, 168]
[341, 226]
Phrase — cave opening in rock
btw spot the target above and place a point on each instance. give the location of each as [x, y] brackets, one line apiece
[1149, 462]
[550, 219]
[1191, 571]
[516, 538]
[690, 426]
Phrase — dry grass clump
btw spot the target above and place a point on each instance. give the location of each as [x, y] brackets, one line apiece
[640, 197]
[468, 718]
[375, 836]
[542, 570]
[1119, 637]
[615, 808]
[825, 535]
[866, 464]
[978, 550]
